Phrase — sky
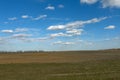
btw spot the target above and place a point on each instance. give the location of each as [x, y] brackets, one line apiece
[59, 25]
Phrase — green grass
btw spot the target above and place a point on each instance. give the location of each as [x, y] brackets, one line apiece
[88, 70]
[76, 65]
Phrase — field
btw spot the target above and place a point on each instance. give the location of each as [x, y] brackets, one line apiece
[71, 65]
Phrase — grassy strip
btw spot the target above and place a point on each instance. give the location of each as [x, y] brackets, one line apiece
[90, 70]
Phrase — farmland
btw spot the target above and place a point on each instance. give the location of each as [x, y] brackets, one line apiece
[67, 65]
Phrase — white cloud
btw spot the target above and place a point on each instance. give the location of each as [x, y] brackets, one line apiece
[68, 43]
[50, 7]
[26, 39]
[89, 43]
[40, 17]
[63, 43]
[111, 3]
[112, 39]
[25, 16]
[72, 29]
[75, 24]
[21, 29]
[42, 39]
[21, 35]
[110, 27]
[60, 34]
[82, 23]
[69, 33]
[7, 31]
[75, 31]
[61, 6]
[14, 31]
[57, 27]
[58, 42]
[105, 3]
[12, 19]
[88, 1]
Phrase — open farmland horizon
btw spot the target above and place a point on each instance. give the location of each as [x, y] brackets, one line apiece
[65, 65]
[58, 56]
[39, 51]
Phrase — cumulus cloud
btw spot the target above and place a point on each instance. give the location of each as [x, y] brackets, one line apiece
[21, 35]
[25, 16]
[56, 27]
[13, 18]
[75, 31]
[63, 43]
[110, 27]
[72, 28]
[111, 39]
[7, 31]
[60, 34]
[40, 17]
[105, 3]
[88, 1]
[89, 43]
[69, 33]
[21, 29]
[50, 7]
[42, 39]
[75, 24]
[15, 30]
[26, 39]
[111, 3]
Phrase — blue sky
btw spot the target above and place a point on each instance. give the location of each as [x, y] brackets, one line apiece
[57, 25]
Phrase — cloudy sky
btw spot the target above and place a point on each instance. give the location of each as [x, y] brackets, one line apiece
[53, 25]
